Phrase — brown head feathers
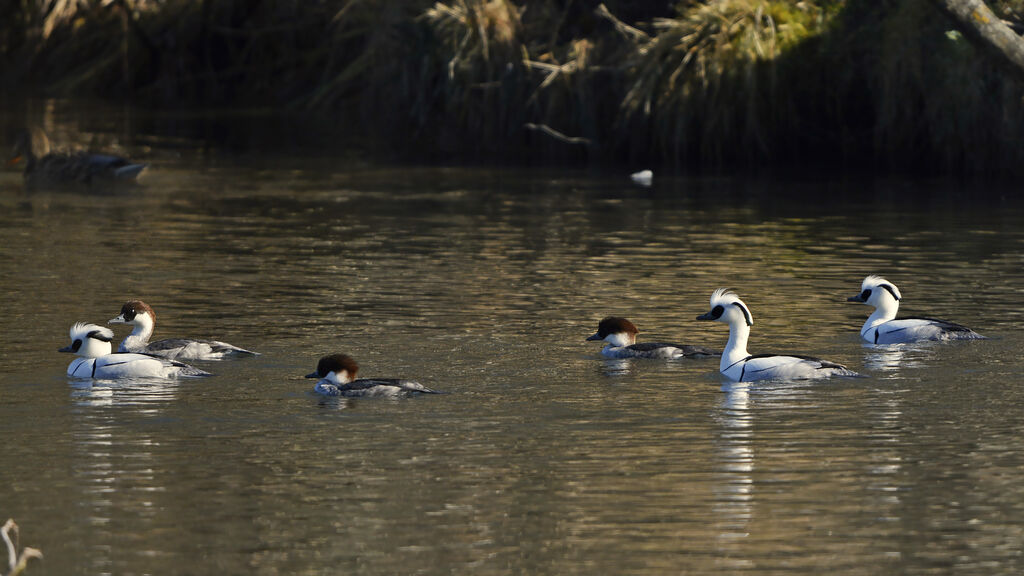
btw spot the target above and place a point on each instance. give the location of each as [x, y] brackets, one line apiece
[616, 325]
[133, 308]
[336, 363]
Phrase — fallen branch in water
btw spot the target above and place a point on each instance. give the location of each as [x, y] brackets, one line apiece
[557, 135]
[16, 562]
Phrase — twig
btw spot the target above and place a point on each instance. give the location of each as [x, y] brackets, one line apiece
[344, 10]
[553, 70]
[568, 67]
[557, 135]
[622, 27]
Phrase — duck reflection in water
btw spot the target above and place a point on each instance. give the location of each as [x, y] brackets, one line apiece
[616, 367]
[734, 465]
[149, 395]
[892, 357]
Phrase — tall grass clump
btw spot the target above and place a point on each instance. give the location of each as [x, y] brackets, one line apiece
[479, 71]
[708, 83]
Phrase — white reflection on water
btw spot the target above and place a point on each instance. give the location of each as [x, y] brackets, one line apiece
[138, 392]
[891, 358]
[734, 484]
[113, 464]
[616, 367]
[886, 430]
[332, 402]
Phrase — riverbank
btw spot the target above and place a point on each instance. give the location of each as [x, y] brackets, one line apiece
[726, 84]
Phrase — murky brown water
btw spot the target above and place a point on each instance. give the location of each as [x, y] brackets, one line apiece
[542, 458]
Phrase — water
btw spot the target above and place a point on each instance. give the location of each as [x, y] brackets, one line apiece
[542, 458]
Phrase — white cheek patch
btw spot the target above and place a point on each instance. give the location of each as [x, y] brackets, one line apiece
[618, 339]
[339, 377]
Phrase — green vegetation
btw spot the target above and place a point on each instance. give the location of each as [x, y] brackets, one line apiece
[865, 84]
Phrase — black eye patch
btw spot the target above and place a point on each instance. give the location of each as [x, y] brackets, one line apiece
[77, 344]
[717, 312]
[865, 294]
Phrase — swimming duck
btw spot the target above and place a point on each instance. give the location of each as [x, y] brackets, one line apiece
[337, 374]
[81, 167]
[92, 344]
[620, 335]
[740, 366]
[139, 314]
[882, 327]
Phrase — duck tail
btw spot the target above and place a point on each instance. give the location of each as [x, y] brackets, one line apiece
[129, 171]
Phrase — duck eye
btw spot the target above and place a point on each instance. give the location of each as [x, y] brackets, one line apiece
[865, 294]
[717, 311]
[77, 344]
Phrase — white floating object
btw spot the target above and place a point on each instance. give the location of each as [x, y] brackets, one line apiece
[643, 177]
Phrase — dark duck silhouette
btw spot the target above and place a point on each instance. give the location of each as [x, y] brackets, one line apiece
[41, 164]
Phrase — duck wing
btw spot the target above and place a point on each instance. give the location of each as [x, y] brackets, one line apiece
[84, 167]
[402, 385]
[951, 329]
[687, 350]
[194, 349]
[795, 366]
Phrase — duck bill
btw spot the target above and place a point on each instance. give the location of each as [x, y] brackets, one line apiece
[14, 160]
[118, 320]
[706, 316]
[312, 375]
[65, 349]
[856, 298]
[594, 336]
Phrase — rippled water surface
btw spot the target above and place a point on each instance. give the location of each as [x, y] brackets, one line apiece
[542, 457]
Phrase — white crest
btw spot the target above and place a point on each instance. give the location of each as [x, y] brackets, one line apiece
[81, 330]
[874, 281]
[724, 297]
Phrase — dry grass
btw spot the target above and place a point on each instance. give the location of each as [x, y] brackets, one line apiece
[706, 76]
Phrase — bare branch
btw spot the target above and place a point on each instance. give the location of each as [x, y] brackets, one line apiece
[978, 20]
[12, 552]
[16, 563]
[622, 27]
[557, 135]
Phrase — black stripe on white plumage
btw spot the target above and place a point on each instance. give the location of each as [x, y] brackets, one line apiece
[620, 337]
[740, 366]
[92, 344]
[882, 327]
